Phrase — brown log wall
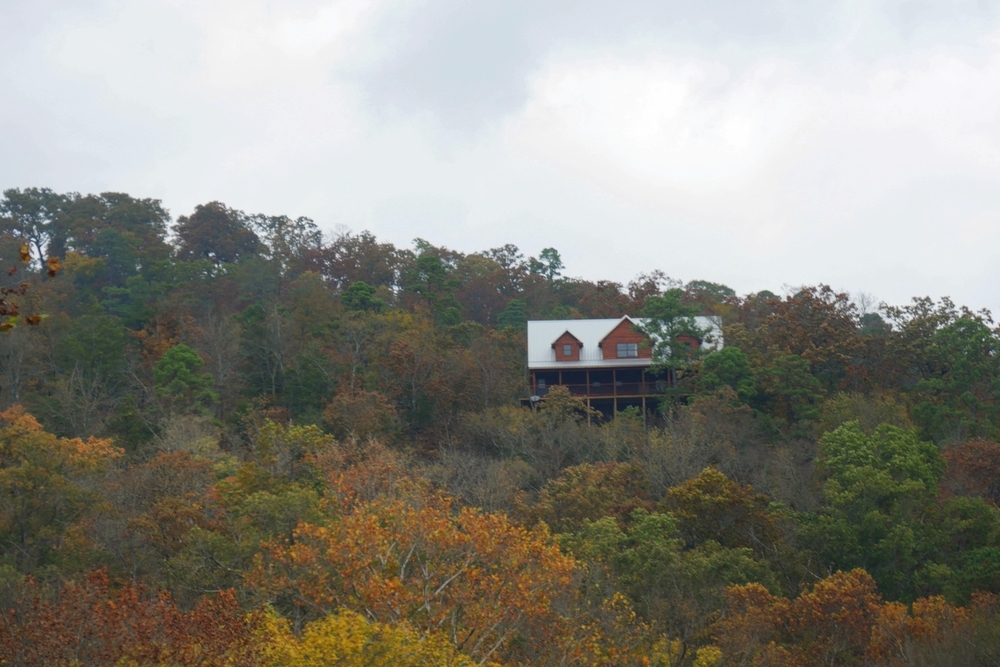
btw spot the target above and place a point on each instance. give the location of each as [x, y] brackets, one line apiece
[625, 333]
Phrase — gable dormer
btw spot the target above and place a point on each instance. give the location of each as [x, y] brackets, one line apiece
[567, 347]
[626, 342]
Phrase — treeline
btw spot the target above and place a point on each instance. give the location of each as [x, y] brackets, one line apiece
[318, 442]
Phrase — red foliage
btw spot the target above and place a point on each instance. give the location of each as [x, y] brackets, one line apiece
[843, 621]
[973, 469]
[90, 623]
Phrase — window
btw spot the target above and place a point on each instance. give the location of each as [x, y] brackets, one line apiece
[567, 350]
[626, 350]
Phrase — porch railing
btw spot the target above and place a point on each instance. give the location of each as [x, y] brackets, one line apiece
[611, 389]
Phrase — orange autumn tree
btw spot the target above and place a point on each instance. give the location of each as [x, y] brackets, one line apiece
[844, 621]
[40, 490]
[830, 625]
[394, 550]
[930, 625]
[475, 577]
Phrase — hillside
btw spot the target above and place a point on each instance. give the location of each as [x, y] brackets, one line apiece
[228, 439]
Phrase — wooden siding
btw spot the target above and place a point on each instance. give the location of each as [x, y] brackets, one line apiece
[574, 343]
[626, 333]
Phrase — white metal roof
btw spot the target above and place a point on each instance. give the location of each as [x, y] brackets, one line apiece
[543, 333]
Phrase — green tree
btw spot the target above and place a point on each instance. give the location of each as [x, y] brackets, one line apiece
[89, 382]
[709, 291]
[119, 254]
[879, 495]
[43, 489]
[432, 278]
[549, 264]
[128, 233]
[33, 215]
[264, 498]
[360, 296]
[959, 397]
[179, 379]
[285, 236]
[790, 391]
[674, 588]
[668, 321]
[513, 315]
[728, 368]
[980, 571]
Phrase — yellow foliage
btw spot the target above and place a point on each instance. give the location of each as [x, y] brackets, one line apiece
[667, 653]
[709, 656]
[670, 653]
[347, 639]
[82, 267]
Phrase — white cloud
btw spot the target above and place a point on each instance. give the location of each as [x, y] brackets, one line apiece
[674, 122]
[697, 126]
[250, 45]
[827, 171]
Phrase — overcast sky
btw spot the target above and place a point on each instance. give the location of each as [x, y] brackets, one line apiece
[759, 144]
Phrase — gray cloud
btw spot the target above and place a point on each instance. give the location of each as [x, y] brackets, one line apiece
[466, 62]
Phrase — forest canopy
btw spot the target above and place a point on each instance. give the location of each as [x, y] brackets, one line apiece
[320, 443]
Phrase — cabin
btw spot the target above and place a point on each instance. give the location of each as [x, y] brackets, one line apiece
[606, 362]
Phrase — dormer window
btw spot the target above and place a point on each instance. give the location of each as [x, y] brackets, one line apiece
[628, 350]
[567, 347]
[626, 341]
